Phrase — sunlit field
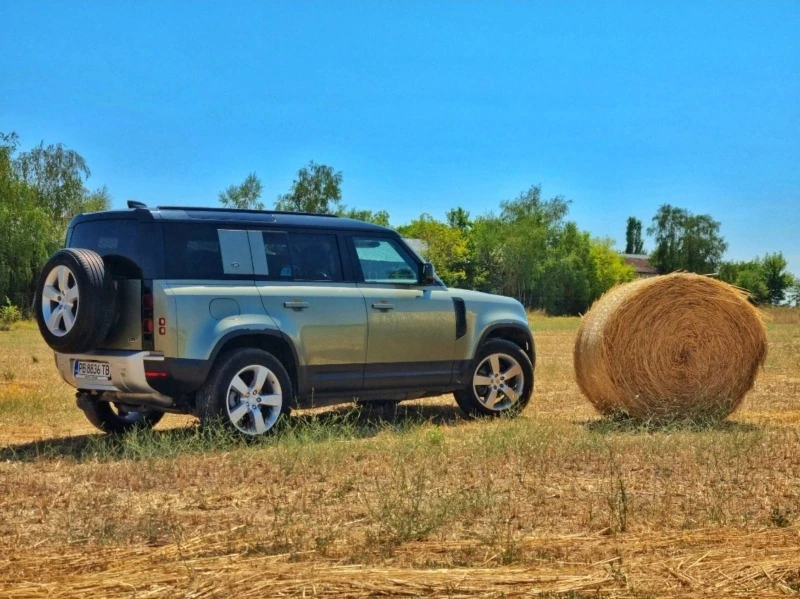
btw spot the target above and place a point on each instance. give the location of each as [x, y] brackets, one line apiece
[357, 502]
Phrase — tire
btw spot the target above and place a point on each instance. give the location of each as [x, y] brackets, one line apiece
[234, 397]
[113, 419]
[75, 301]
[507, 374]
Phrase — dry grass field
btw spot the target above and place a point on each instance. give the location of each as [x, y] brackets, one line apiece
[351, 502]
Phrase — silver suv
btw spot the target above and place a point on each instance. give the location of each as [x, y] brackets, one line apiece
[237, 315]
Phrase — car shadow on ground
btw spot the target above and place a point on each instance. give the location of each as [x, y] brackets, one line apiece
[369, 414]
[346, 422]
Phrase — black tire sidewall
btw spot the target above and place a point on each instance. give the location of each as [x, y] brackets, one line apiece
[96, 301]
[466, 398]
[212, 397]
[101, 415]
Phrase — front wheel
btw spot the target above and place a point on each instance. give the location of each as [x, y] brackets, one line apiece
[115, 419]
[500, 381]
[247, 392]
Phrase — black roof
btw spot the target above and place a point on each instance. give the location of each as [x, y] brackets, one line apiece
[232, 216]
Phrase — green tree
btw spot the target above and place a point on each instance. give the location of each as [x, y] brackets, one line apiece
[609, 267]
[634, 244]
[447, 247]
[475, 271]
[766, 280]
[521, 243]
[27, 232]
[777, 280]
[793, 293]
[317, 188]
[244, 196]
[40, 191]
[531, 252]
[381, 217]
[568, 276]
[685, 241]
[458, 218]
[58, 176]
[748, 275]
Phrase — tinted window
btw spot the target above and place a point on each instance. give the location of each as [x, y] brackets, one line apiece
[116, 240]
[192, 252]
[385, 261]
[302, 256]
[279, 261]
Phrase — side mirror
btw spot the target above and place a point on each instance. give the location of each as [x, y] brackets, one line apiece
[428, 276]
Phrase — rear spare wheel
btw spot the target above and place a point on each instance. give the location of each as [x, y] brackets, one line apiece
[75, 301]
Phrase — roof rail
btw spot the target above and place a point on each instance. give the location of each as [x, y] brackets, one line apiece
[135, 204]
[243, 210]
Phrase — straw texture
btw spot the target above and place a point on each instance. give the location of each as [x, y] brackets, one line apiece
[680, 346]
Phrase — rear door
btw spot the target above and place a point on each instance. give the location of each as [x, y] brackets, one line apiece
[129, 261]
[302, 280]
[411, 326]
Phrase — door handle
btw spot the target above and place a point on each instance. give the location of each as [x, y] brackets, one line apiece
[383, 306]
[296, 305]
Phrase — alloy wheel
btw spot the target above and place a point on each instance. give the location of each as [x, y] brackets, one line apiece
[498, 382]
[254, 400]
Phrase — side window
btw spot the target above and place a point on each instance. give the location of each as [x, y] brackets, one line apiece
[192, 252]
[385, 261]
[302, 256]
[279, 262]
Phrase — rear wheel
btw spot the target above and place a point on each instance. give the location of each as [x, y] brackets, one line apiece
[500, 381]
[114, 418]
[248, 392]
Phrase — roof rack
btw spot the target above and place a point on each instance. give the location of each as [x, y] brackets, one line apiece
[242, 210]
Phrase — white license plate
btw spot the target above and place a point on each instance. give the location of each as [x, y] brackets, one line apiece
[95, 371]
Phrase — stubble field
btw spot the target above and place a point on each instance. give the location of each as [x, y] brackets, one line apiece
[350, 502]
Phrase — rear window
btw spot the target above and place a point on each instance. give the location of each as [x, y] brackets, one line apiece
[118, 241]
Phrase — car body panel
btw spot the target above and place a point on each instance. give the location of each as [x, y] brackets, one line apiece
[415, 337]
[333, 350]
[198, 331]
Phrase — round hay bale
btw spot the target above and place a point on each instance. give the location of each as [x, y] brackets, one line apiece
[675, 347]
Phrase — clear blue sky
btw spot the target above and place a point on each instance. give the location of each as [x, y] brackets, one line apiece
[424, 106]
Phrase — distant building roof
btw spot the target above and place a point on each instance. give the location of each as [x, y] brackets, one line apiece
[641, 265]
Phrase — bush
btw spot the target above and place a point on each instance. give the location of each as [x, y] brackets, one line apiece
[9, 314]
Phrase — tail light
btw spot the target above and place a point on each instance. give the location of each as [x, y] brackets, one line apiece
[148, 326]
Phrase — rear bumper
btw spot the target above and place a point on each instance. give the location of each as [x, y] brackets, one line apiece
[168, 377]
[127, 370]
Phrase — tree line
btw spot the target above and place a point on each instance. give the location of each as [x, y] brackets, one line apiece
[693, 243]
[529, 249]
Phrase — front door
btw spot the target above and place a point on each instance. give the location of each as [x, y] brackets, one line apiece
[411, 326]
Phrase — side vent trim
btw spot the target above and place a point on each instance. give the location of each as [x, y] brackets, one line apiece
[461, 317]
